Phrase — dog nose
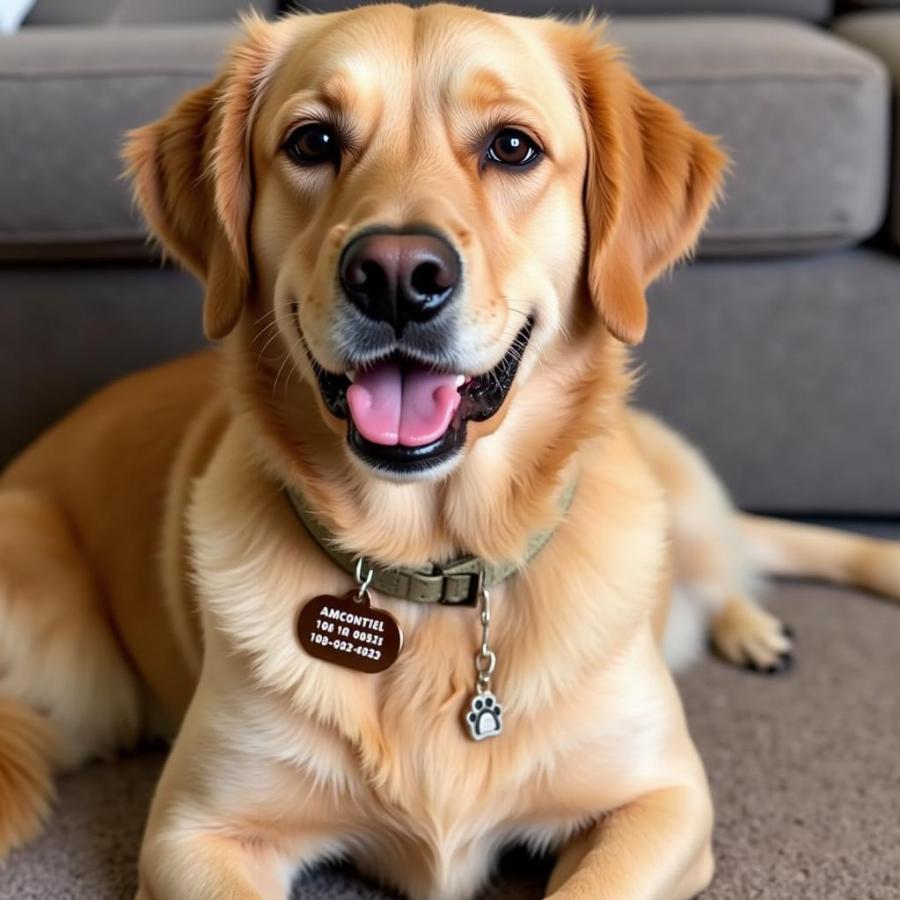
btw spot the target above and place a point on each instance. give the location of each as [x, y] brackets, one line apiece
[398, 277]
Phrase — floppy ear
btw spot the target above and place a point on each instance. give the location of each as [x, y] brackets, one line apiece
[650, 182]
[192, 178]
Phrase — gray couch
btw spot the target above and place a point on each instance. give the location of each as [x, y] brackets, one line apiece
[776, 351]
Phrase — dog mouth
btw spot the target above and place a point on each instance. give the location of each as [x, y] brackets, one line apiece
[405, 415]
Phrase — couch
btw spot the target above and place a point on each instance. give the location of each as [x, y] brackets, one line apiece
[776, 350]
[777, 345]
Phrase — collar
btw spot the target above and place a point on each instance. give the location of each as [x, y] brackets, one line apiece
[456, 583]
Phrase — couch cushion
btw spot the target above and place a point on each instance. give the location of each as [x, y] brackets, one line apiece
[139, 12]
[66, 97]
[132, 12]
[815, 10]
[69, 329]
[804, 114]
[67, 12]
[786, 373]
[879, 32]
[812, 10]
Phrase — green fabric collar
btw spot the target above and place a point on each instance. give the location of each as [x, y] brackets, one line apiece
[457, 583]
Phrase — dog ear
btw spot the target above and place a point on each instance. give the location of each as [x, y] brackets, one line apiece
[651, 180]
[192, 178]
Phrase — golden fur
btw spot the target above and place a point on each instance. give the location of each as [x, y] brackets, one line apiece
[151, 570]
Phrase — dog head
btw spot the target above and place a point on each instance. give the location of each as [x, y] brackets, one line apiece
[412, 209]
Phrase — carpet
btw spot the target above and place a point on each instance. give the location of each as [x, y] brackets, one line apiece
[805, 770]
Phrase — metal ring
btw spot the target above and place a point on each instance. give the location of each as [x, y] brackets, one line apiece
[485, 663]
[363, 583]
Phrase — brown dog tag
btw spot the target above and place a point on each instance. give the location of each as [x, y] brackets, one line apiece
[348, 631]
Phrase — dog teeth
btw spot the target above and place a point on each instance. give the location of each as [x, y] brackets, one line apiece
[460, 380]
[351, 375]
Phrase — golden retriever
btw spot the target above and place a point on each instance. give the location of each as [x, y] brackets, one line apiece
[425, 237]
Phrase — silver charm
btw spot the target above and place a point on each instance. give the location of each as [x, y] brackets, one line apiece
[484, 715]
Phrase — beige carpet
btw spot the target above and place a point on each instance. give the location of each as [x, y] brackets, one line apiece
[805, 769]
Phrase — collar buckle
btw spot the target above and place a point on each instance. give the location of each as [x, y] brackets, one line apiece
[460, 588]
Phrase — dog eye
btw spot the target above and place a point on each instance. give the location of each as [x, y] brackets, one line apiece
[513, 148]
[313, 144]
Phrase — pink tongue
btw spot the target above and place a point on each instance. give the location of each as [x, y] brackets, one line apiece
[412, 408]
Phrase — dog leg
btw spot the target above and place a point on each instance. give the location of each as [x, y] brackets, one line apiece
[715, 580]
[190, 865]
[66, 692]
[796, 550]
[226, 823]
[655, 848]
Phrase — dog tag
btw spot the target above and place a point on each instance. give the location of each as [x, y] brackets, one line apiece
[348, 631]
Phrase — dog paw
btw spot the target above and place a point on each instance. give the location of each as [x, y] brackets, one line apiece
[484, 716]
[748, 636]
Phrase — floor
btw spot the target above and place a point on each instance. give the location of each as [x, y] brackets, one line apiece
[805, 770]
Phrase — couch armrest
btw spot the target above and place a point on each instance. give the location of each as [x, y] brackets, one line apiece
[879, 33]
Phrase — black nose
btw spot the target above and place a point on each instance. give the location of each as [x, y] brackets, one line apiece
[399, 277]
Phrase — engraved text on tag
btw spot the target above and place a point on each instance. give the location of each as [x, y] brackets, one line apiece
[348, 631]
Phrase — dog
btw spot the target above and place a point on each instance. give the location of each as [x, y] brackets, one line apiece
[425, 237]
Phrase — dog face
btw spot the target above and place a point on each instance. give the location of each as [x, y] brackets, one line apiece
[418, 209]
[426, 203]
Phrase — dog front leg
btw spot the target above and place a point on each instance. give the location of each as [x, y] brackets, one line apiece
[193, 865]
[657, 847]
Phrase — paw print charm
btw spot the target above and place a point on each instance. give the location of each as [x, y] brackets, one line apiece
[483, 717]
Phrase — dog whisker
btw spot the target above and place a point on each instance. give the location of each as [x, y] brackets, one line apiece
[515, 309]
[271, 338]
[294, 370]
[266, 314]
[271, 325]
[277, 316]
[288, 356]
[264, 326]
